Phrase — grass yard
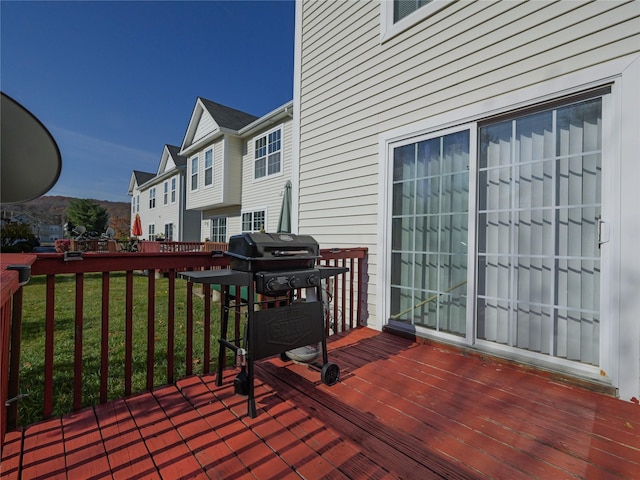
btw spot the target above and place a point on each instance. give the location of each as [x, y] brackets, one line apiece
[33, 339]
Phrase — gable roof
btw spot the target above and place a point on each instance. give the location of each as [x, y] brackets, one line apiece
[142, 177]
[139, 178]
[174, 151]
[227, 117]
[210, 120]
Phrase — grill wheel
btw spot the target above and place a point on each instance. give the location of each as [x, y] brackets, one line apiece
[330, 374]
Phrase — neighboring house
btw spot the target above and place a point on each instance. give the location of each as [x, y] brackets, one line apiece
[160, 200]
[487, 155]
[44, 231]
[237, 165]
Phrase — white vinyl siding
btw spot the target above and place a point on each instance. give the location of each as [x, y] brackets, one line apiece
[205, 126]
[462, 63]
[267, 192]
[214, 194]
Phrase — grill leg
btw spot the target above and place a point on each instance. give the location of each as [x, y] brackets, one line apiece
[224, 323]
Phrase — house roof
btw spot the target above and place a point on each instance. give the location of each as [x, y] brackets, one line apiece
[227, 117]
[142, 177]
[174, 151]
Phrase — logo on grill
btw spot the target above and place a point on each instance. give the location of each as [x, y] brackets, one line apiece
[286, 238]
[289, 330]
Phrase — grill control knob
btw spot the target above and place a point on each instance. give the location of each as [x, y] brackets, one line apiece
[295, 282]
[271, 284]
[313, 281]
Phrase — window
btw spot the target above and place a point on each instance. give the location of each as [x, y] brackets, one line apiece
[165, 194]
[219, 229]
[152, 232]
[138, 203]
[402, 8]
[208, 167]
[268, 152]
[533, 224]
[173, 190]
[253, 221]
[194, 173]
[152, 197]
[168, 231]
[133, 206]
[396, 16]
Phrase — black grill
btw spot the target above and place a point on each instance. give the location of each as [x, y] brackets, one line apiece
[279, 266]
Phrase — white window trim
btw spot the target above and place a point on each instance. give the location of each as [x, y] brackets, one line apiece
[153, 197]
[253, 155]
[196, 157]
[165, 192]
[388, 29]
[226, 226]
[204, 168]
[252, 211]
[620, 104]
[173, 190]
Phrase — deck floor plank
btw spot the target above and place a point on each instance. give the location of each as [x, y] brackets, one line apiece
[126, 451]
[402, 409]
[84, 449]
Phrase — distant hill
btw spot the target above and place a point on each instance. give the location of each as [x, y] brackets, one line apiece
[53, 210]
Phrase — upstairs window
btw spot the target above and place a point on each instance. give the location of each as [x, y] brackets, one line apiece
[173, 190]
[402, 8]
[194, 173]
[152, 198]
[268, 154]
[166, 193]
[396, 16]
[208, 167]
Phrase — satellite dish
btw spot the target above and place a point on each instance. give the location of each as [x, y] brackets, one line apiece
[79, 230]
[110, 232]
[30, 160]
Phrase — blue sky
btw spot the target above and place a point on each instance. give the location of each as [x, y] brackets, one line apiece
[116, 81]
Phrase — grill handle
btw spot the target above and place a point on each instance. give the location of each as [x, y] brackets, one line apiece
[289, 253]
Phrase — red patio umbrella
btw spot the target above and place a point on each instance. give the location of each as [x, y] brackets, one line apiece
[136, 231]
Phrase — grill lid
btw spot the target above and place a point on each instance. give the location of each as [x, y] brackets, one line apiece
[250, 251]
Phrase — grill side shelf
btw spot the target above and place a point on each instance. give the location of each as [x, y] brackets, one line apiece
[218, 277]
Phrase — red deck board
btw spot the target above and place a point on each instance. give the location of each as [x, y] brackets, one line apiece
[43, 451]
[126, 451]
[11, 453]
[401, 409]
[84, 450]
[170, 455]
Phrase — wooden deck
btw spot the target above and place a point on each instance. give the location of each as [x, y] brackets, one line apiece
[401, 410]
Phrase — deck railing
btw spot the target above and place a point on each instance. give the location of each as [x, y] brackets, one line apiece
[346, 301]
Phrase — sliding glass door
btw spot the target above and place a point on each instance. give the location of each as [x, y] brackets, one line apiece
[539, 206]
[534, 264]
[430, 233]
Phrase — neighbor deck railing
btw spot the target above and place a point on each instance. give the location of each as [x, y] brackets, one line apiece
[347, 299]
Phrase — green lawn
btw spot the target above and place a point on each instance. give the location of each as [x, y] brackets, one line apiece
[33, 339]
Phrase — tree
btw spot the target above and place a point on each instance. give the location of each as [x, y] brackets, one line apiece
[89, 214]
[17, 236]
